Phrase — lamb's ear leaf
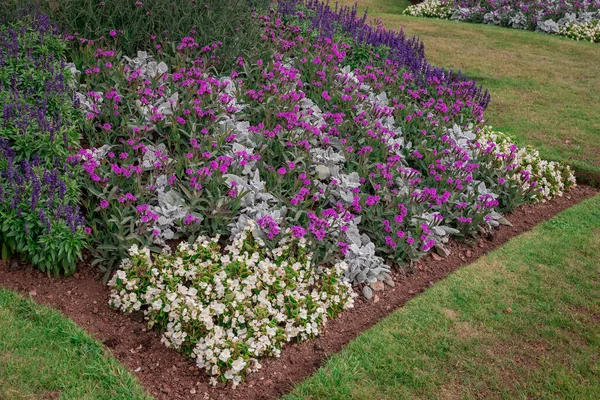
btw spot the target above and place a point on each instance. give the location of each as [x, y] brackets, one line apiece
[441, 250]
[450, 231]
[504, 221]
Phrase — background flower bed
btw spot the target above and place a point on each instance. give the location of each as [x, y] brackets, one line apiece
[575, 20]
[325, 130]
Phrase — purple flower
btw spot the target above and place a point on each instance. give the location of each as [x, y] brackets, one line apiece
[298, 231]
[269, 225]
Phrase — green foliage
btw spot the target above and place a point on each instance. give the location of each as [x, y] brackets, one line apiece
[154, 24]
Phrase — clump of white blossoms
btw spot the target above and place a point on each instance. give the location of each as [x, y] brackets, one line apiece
[584, 31]
[228, 308]
[431, 9]
[545, 179]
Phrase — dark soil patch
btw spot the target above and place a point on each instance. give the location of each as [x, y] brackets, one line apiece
[168, 375]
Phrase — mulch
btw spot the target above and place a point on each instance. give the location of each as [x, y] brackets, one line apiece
[167, 374]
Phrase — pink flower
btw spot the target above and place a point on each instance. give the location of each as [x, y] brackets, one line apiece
[113, 33]
[104, 204]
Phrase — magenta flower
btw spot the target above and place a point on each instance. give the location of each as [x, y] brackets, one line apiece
[298, 231]
[104, 204]
[343, 247]
[390, 242]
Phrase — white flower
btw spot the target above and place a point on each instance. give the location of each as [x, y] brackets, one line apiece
[157, 305]
[229, 374]
[238, 365]
[225, 355]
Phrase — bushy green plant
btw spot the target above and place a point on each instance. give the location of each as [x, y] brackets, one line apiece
[157, 24]
[39, 118]
[40, 218]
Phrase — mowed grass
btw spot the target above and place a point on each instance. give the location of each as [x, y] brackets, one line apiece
[520, 323]
[43, 355]
[545, 89]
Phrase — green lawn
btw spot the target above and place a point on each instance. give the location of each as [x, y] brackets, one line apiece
[545, 89]
[43, 355]
[520, 323]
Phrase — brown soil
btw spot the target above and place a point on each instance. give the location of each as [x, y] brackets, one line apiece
[168, 375]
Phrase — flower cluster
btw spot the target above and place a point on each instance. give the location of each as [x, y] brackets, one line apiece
[542, 179]
[226, 309]
[375, 42]
[431, 9]
[39, 193]
[577, 20]
[582, 31]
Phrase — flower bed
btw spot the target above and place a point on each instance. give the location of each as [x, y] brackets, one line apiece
[578, 20]
[324, 155]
